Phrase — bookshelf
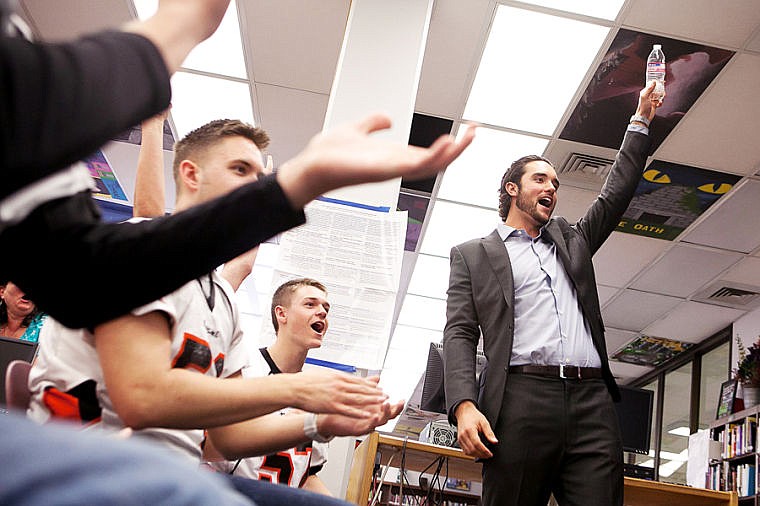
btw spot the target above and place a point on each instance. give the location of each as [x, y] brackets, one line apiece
[736, 468]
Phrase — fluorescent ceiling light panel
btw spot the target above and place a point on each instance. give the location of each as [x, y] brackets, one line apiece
[222, 53]
[430, 277]
[474, 177]
[423, 312]
[197, 99]
[452, 224]
[532, 66]
[607, 9]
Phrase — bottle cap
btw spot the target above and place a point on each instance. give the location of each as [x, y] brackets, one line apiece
[657, 46]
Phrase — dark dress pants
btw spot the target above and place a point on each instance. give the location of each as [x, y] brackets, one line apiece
[555, 436]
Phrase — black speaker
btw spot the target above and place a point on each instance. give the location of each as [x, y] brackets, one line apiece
[641, 472]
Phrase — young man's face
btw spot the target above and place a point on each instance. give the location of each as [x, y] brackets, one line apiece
[227, 165]
[537, 195]
[306, 316]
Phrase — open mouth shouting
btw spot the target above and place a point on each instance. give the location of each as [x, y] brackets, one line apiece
[318, 327]
[546, 202]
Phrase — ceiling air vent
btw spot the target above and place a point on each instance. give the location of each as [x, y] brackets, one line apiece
[587, 165]
[730, 294]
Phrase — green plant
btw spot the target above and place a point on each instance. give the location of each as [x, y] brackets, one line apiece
[748, 371]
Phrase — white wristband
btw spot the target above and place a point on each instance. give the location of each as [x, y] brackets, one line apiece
[639, 118]
[310, 429]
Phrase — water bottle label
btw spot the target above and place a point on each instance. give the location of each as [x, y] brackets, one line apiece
[655, 67]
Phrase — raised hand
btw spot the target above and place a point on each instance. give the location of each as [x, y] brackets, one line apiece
[648, 103]
[348, 155]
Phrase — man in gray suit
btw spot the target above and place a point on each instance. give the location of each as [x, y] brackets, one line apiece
[544, 422]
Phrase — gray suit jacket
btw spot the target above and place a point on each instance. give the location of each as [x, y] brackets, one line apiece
[481, 290]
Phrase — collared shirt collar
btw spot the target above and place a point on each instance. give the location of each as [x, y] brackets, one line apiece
[505, 231]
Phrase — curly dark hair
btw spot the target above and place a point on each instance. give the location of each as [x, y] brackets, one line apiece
[514, 174]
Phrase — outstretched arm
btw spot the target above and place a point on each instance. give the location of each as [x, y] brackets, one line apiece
[272, 433]
[146, 391]
[150, 189]
[349, 155]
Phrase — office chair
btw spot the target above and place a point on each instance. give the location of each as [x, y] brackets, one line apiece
[17, 394]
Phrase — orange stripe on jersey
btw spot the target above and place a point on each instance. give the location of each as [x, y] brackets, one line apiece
[195, 353]
[64, 406]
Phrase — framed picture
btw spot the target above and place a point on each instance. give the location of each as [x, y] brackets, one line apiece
[727, 398]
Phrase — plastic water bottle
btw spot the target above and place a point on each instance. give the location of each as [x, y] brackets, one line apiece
[656, 70]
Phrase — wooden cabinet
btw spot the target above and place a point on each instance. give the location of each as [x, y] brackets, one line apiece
[417, 456]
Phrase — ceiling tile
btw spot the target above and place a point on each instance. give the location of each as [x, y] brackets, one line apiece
[725, 24]
[72, 18]
[572, 203]
[623, 256]
[692, 322]
[451, 224]
[634, 310]
[606, 293]
[448, 61]
[474, 177]
[746, 272]
[277, 106]
[720, 130]
[754, 43]
[726, 227]
[684, 269]
[430, 277]
[293, 43]
[628, 372]
[617, 338]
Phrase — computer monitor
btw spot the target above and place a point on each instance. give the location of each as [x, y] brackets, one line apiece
[13, 349]
[635, 417]
[433, 397]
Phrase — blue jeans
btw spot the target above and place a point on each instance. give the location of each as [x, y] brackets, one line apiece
[50, 464]
[273, 494]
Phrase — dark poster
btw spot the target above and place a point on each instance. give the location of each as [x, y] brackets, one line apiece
[601, 116]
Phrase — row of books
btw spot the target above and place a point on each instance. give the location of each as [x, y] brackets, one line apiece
[740, 478]
[738, 438]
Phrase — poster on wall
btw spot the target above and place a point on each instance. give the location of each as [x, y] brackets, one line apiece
[602, 114]
[108, 186]
[651, 351]
[357, 254]
[670, 197]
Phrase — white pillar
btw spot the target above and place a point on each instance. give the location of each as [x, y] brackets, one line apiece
[379, 71]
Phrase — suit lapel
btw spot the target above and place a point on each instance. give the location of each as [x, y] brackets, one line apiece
[499, 260]
[558, 239]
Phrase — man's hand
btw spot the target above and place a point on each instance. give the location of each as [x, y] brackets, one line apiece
[339, 425]
[470, 425]
[648, 104]
[348, 155]
[329, 391]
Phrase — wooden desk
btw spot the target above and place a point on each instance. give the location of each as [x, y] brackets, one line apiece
[653, 493]
[418, 456]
